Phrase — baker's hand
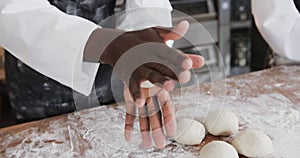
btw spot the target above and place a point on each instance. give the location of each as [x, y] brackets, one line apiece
[150, 117]
[158, 114]
[143, 55]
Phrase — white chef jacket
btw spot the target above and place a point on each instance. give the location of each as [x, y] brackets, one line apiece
[279, 23]
[52, 42]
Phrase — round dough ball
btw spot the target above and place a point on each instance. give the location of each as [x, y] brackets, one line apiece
[221, 123]
[253, 143]
[189, 132]
[218, 149]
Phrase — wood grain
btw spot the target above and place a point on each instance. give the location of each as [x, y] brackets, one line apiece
[2, 71]
[1, 50]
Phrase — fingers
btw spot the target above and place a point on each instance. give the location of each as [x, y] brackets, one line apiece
[183, 63]
[168, 112]
[164, 68]
[152, 75]
[197, 60]
[155, 123]
[130, 114]
[142, 73]
[177, 61]
[174, 33]
[150, 117]
[177, 58]
[167, 68]
[145, 127]
[155, 76]
[129, 125]
[162, 74]
[187, 64]
[135, 90]
[181, 28]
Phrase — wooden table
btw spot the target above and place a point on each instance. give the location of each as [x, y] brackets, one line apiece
[1, 50]
[268, 100]
[2, 71]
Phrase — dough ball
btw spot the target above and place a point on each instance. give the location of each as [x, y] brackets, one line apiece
[221, 123]
[253, 143]
[218, 149]
[189, 132]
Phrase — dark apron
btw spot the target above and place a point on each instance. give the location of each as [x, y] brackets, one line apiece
[297, 3]
[35, 96]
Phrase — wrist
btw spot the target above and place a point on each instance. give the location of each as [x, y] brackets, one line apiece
[96, 47]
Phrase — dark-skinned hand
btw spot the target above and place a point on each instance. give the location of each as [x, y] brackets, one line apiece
[142, 55]
[157, 116]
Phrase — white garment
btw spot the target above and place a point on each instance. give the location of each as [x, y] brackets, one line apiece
[52, 42]
[148, 12]
[279, 23]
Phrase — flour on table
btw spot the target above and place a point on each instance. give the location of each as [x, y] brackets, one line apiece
[99, 132]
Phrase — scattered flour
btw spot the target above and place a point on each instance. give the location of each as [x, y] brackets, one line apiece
[99, 132]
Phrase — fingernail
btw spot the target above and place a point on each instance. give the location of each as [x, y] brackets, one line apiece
[161, 144]
[147, 140]
[128, 136]
[159, 139]
[171, 128]
[201, 61]
[187, 64]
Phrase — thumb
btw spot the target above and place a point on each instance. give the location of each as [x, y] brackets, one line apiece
[174, 33]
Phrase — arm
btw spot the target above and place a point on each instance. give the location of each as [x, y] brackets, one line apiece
[56, 44]
[279, 23]
[50, 41]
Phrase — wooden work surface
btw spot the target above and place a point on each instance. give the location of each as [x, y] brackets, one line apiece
[1, 50]
[2, 71]
[268, 100]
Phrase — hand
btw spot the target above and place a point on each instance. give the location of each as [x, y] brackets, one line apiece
[142, 55]
[150, 116]
[158, 113]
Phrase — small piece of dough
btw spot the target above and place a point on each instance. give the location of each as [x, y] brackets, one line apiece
[253, 143]
[221, 123]
[147, 84]
[189, 132]
[218, 149]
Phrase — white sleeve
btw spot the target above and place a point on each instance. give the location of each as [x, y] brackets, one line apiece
[49, 41]
[279, 23]
[141, 14]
